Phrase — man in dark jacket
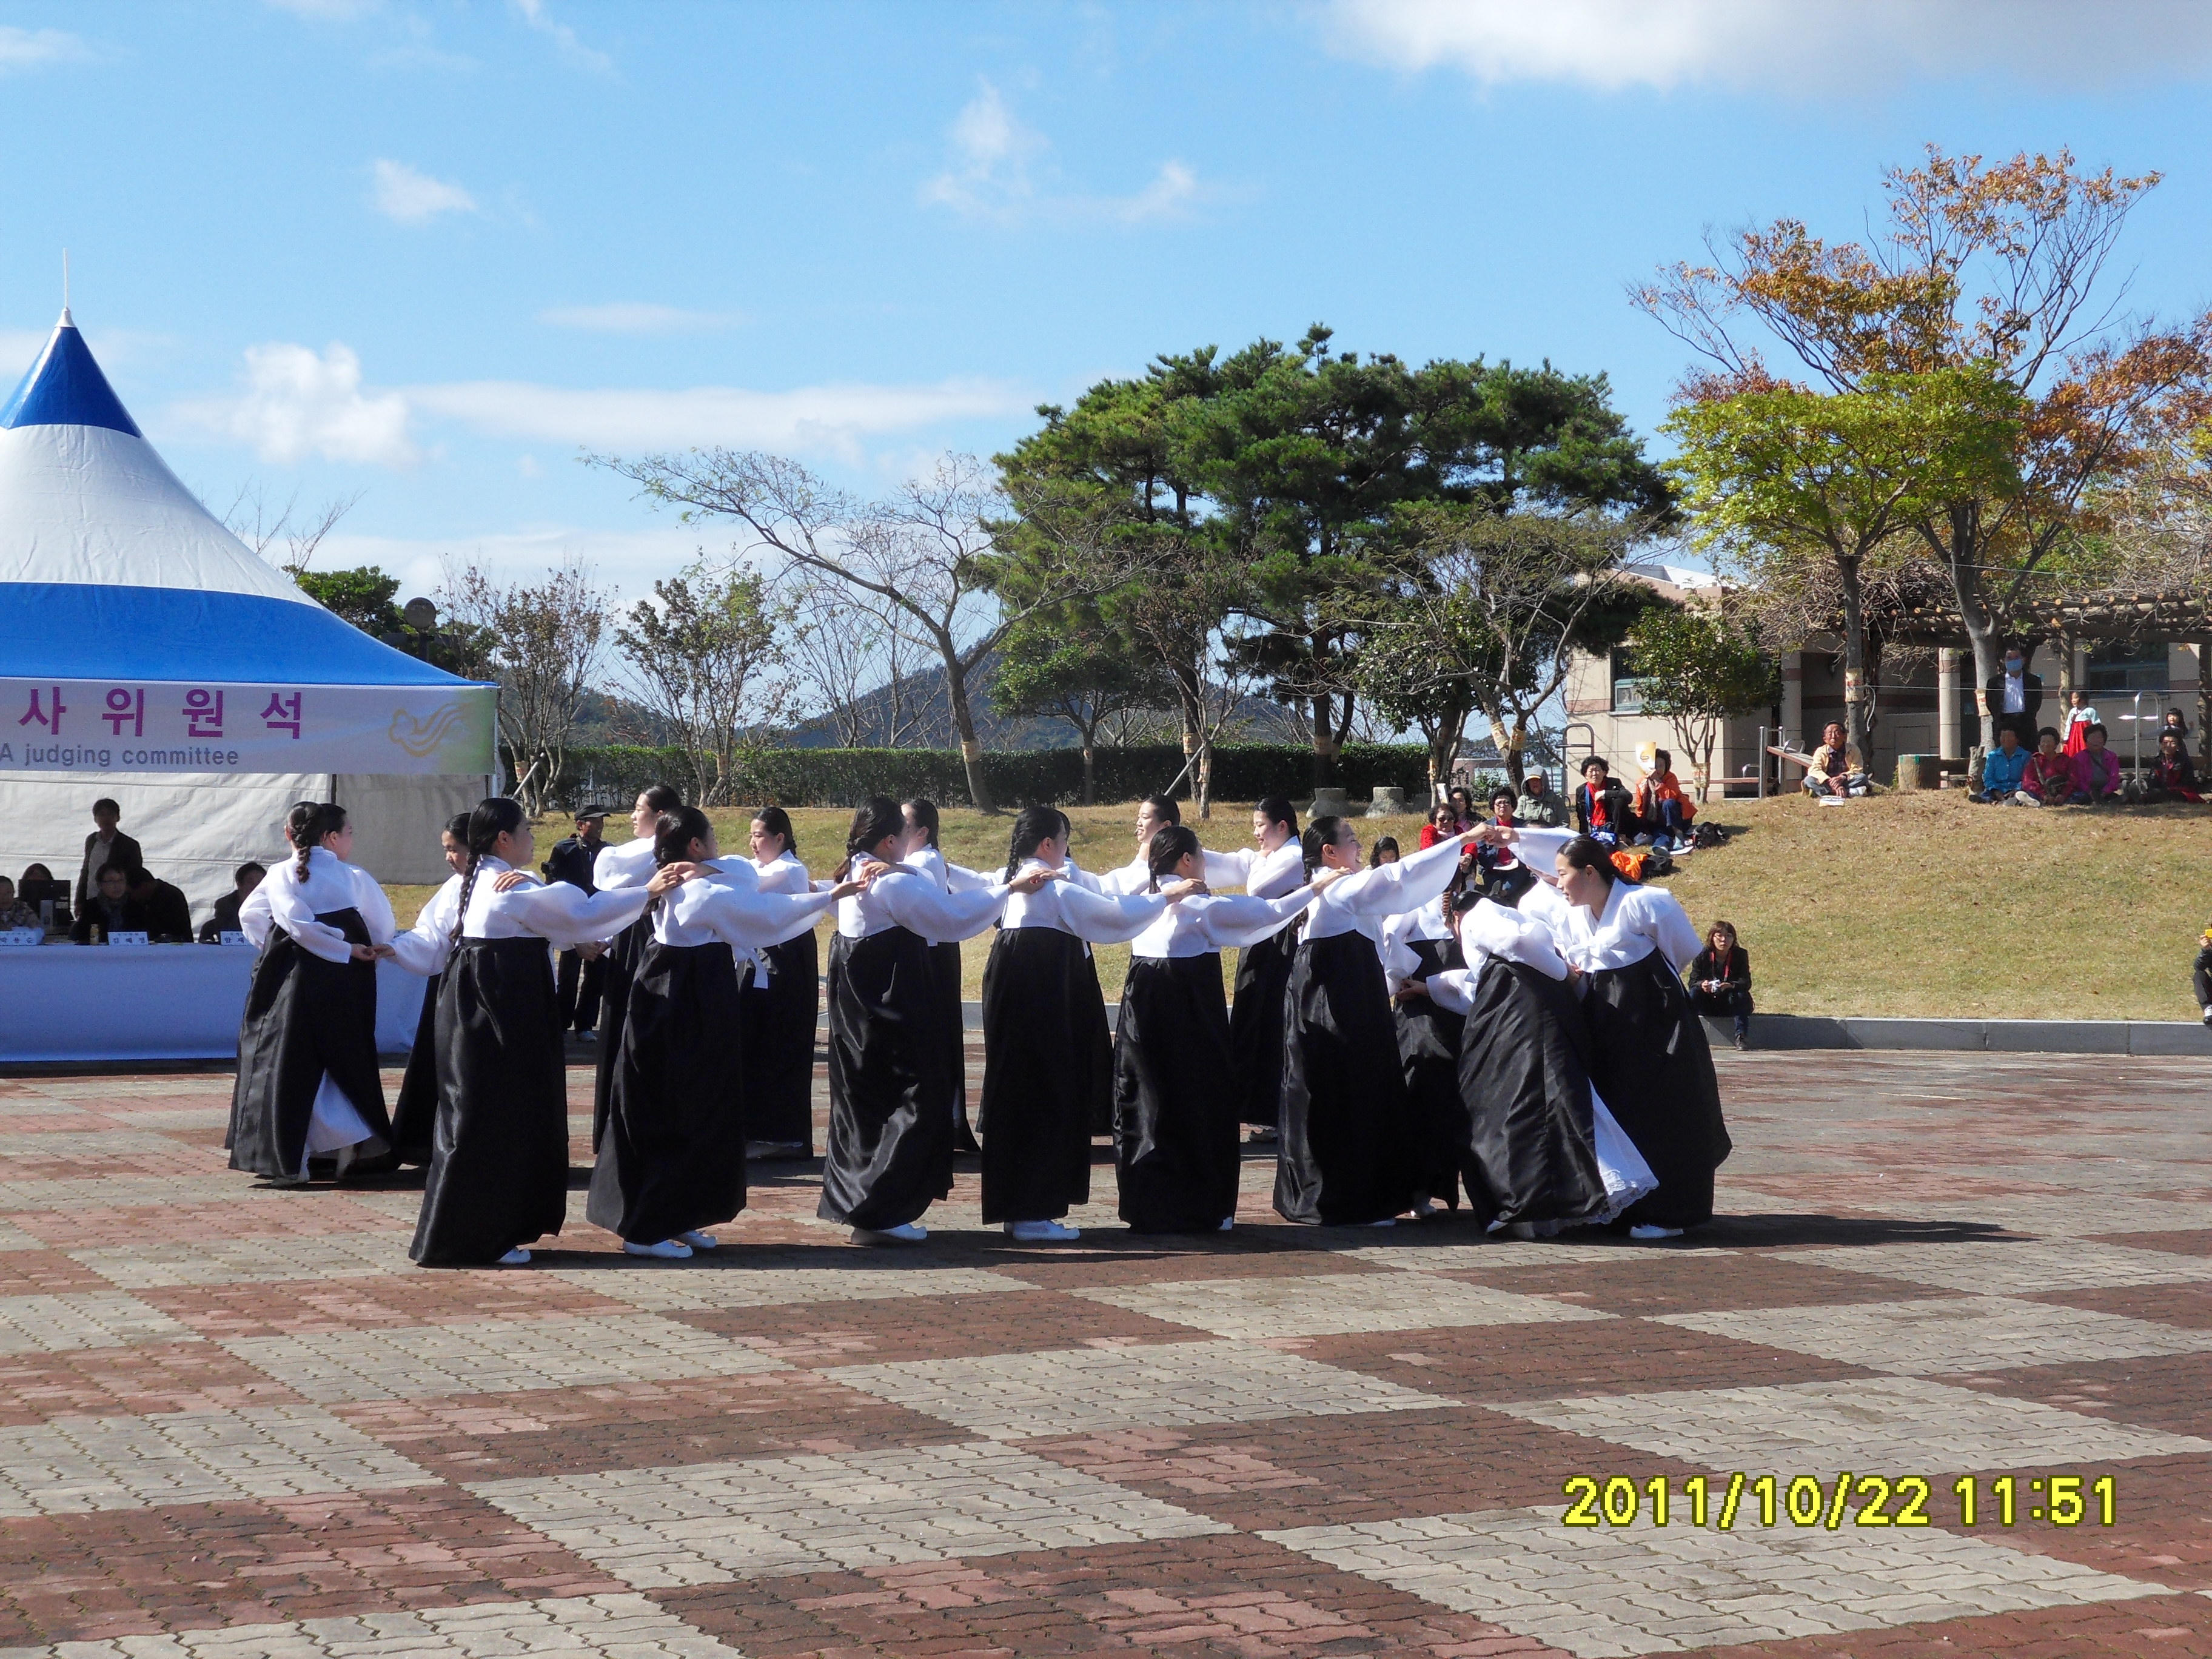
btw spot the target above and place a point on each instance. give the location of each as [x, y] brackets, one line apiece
[157, 909]
[106, 844]
[577, 985]
[2016, 696]
[247, 877]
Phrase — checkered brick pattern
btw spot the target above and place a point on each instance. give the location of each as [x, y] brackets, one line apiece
[237, 1422]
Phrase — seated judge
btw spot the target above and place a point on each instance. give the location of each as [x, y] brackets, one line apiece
[106, 908]
[39, 886]
[161, 911]
[247, 877]
[13, 912]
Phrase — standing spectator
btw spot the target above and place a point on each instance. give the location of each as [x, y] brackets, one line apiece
[245, 878]
[13, 912]
[2080, 717]
[1538, 808]
[2002, 769]
[1837, 769]
[1661, 806]
[2096, 773]
[2049, 774]
[106, 845]
[157, 909]
[2015, 696]
[576, 988]
[1443, 824]
[2172, 776]
[1602, 809]
[1720, 980]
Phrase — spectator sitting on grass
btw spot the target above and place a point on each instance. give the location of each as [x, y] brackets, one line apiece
[2096, 772]
[2050, 774]
[1538, 808]
[1837, 769]
[1502, 876]
[1661, 808]
[1443, 824]
[1385, 851]
[1602, 809]
[2172, 776]
[1720, 980]
[2002, 769]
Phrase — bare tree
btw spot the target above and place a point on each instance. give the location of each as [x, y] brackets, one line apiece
[853, 665]
[544, 643]
[928, 553]
[698, 653]
[291, 535]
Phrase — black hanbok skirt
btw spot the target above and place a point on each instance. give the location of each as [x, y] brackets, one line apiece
[1524, 1070]
[889, 1154]
[779, 1043]
[1652, 1067]
[1346, 1154]
[1429, 1042]
[673, 1158]
[1175, 1127]
[415, 1114]
[303, 1017]
[499, 1156]
[1256, 1024]
[621, 961]
[1047, 1069]
[952, 1025]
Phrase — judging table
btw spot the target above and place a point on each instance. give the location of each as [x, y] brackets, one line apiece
[79, 1002]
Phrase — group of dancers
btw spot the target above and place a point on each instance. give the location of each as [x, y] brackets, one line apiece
[1414, 1045]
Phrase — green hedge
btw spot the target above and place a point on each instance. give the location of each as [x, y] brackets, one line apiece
[841, 777]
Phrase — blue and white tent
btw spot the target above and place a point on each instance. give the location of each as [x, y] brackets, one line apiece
[151, 657]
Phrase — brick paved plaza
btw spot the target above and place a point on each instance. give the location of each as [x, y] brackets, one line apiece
[237, 1423]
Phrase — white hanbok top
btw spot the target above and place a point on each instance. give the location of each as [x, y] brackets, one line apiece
[783, 873]
[729, 905]
[1493, 931]
[1636, 921]
[1400, 962]
[331, 883]
[1222, 870]
[1216, 921]
[930, 861]
[627, 864]
[901, 895]
[1071, 905]
[564, 916]
[1359, 902]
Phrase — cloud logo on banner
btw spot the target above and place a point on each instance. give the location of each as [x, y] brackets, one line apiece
[422, 738]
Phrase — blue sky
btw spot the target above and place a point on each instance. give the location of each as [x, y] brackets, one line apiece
[426, 251]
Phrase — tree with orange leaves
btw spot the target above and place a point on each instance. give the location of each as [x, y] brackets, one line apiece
[1999, 270]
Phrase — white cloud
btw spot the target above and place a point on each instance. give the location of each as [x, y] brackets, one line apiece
[32, 49]
[1785, 45]
[629, 560]
[563, 38]
[635, 317]
[294, 404]
[1000, 170]
[330, 11]
[409, 198]
[827, 419]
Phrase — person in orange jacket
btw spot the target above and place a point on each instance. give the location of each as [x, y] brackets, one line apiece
[1662, 806]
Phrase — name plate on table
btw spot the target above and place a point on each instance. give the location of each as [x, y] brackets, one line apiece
[22, 936]
[230, 939]
[120, 937]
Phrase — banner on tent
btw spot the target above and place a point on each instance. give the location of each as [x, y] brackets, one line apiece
[119, 725]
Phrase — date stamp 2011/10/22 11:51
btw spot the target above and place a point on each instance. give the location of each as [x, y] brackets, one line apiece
[1848, 1498]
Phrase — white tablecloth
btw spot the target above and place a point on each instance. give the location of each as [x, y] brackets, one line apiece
[154, 1002]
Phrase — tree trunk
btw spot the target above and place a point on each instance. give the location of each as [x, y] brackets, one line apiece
[964, 722]
[2203, 703]
[1854, 719]
[1324, 743]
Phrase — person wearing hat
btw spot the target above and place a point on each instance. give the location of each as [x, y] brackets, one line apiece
[578, 986]
[1540, 807]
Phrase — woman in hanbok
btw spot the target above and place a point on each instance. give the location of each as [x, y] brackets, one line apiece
[1346, 1154]
[1047, 1055]
[307, 1084]
[617, 866]
[1274, 866]
[1542, 1152]
[782, 1001]
[1415, 947]
[416, 1111]
[919, 849]
[890, 1156]
[1649, 1061]
[672, 1161]
[499, 1159]
[1176, 1105]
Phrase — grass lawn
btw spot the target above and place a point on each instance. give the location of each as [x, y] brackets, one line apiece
[1920, 905]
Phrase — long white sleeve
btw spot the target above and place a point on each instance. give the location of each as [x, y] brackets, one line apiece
[1102, 918]
[1229, 869]
[626, 864]
[959, 878]
[564, 916]
[1491, 929]
[744, 918]
[1387, 889]
[914, 902]
[289, 909]
[1663, 922]
[424, 948]
[253, 918]
[1274, 874]
[1453, 990]
[1230, 922]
